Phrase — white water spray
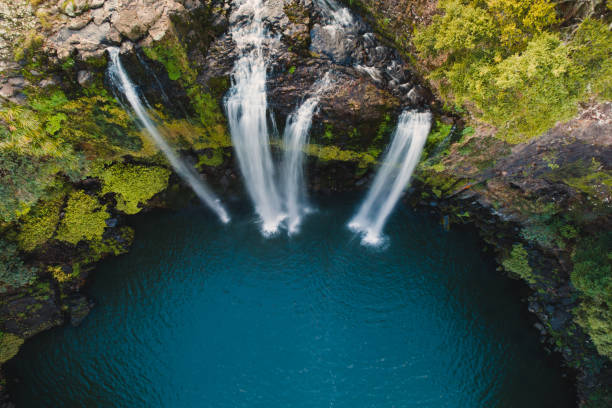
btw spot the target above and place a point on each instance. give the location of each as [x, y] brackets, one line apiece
[294, 139]
[121, 81]
[246, 106]
[339, 15]
[392, 178]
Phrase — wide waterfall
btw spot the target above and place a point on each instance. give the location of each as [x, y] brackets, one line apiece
[121, 81]
[294, 139]
[392, 178]
[246, 105]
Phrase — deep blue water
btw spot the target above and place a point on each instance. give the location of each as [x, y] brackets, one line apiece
[202, 315]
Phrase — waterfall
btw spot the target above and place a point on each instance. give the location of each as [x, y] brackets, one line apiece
[294, 139]
[392, 178]
[246, 105]
[340, 16]
[121, 81]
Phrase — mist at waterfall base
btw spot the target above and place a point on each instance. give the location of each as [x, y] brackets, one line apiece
[121, 82]
[201, 316]
[393, 176]
[247, 107]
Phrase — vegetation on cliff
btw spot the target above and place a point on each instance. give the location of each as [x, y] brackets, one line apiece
[487, 55]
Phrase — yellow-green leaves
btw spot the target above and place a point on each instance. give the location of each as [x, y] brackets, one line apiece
[39, 225]
[84, 219]
[133, 184]
[505, 60]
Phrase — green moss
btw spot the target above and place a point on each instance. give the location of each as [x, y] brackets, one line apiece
[171, 53]
[518, 263]
[29, 45]
[54, 124]
[212, 158]
[84, 219]
[133, 185]
[329, 132]
[334, 153]
[39, 225]
[9, 346]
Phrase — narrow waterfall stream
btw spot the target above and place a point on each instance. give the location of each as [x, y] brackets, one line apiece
[247, 105]
[123, 84]
[295, 137]
[339, 15]
[392, 178]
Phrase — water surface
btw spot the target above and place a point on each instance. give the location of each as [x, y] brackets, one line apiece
[204, 315]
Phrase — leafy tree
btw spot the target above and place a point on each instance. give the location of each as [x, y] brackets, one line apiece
[84, 219]
[503, 60]
[133, 184]
[13, 273]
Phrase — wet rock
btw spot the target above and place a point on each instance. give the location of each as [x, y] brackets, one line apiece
[7, 91]
[331, 41]
[79, 23]
[85, 78]
[559, 319]
[78, 308]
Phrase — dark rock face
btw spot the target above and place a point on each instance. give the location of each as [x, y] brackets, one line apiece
[29, 314]
[519, 199]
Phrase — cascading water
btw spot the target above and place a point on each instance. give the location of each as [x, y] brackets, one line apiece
[121, 81]
[341, 16]
[294, 139]
[392, 178]
[246, 105]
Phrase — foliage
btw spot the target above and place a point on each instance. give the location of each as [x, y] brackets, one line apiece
[59, 275]
[39, 225]
[13, 272]
[596, 319]
[173, 55]
[84, 219]
[334, 153]
[592, 272]
[23, 180]
[592, 275]
[505, 61]
[31, 42]
[602, 397]
[518, 263]
[9, 346]
[211, 158]
[55, 136]
[133, 184]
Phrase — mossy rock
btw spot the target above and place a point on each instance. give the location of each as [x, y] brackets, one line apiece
[9, 346]
[84, 219]
[133, 185]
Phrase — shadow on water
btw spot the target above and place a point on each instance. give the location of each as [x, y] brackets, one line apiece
[199, 315]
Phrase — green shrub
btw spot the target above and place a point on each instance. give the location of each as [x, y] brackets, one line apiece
[9, 346]
[39, 225]
[596, 319]
[504, 60]
[133, 184]
[518, 263]
[84, 219]
[13, 273]
[592, 275]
